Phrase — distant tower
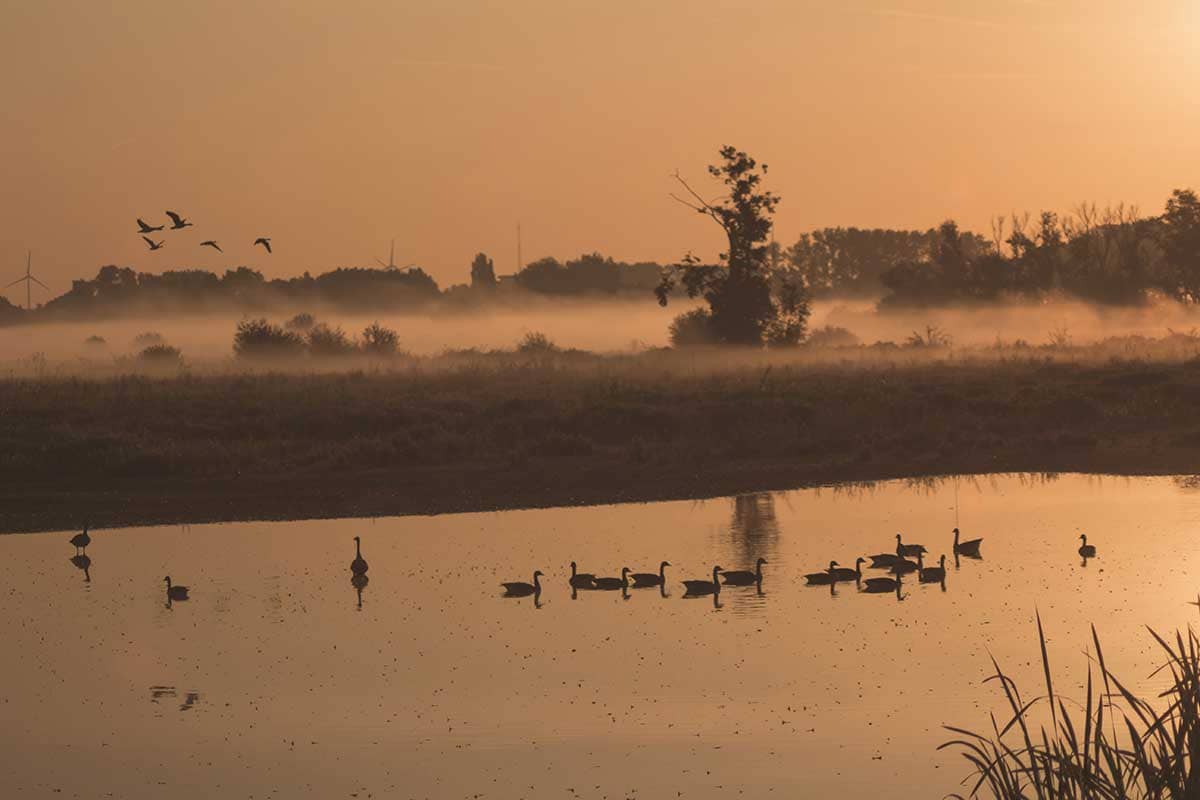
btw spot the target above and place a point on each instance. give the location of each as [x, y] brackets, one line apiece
[391, 258]
[29, 281]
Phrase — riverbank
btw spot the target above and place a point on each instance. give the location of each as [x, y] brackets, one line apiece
[136, 450]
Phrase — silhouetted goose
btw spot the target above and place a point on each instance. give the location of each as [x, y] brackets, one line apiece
[359, 581]
[822, 578]
[359, 565]
[1086, 550]
[581, 580]
[881, 585]
[84, 563]
[153, 244]
[81, 540]
[519, 589]
[704, 587]
[846, 574]
[212, 244]
[144, 228]
[932, 574]
[264, 241]
[175, 592]
[885, 560]
[904, 566]
[968, 548]
[903, 549]
[614, 583]
[744, 577]
[178, 222]
[644, 579]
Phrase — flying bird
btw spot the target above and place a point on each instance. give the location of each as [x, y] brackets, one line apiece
[213, 245]
[144, 228]
[153, 244]
[265, 241]
[178, 222]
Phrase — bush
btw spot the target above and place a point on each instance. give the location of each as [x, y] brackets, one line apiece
[380, 341]
[148, 338]
[693, 329]
[535, 343]
[327, 342]
[933, 337]
[95, 341]
[301, 322]
[832, 336]
[257, 338]
[161, 355]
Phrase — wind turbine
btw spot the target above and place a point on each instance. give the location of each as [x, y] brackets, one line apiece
[391, 263]
[29, 281]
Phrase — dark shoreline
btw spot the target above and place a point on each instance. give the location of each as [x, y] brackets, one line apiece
[139, 450]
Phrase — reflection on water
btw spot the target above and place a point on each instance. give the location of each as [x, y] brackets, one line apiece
[432, 685]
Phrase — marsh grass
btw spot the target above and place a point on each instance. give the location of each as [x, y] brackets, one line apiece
[1117, 746]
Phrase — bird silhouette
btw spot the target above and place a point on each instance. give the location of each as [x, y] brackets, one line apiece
[144, 228]
[359, 565]
[968, 548]
[644, 579]
[694, 588]
[81, 540]
[908, 549]
[931, 574]
[178, 222]
[213, 245]
[744, 577]
[1086, 550]
[359, 581]
[822, 578]
[264, 241]
[581, 580]
[614, 583]
[175, 592]
[847, 574]
[521, 589]
[83, 562]
[153, 244]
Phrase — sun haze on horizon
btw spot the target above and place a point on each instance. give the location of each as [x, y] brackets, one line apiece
[332, 128]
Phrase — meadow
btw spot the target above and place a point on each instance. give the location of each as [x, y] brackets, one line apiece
[475, 430]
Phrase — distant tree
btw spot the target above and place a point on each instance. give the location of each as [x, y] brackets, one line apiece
[380, 341]
[327, 342]
[1181, 242]
[257, 338]
[161, 355]
[546, 276]
[536, 343]
[483, 272]
[301, 322]
[747, 307]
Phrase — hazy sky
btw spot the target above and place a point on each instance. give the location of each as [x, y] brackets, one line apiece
[333, 126]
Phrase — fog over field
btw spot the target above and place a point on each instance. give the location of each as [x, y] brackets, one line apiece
[603, 327]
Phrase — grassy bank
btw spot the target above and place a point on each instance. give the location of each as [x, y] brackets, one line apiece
[482, 433]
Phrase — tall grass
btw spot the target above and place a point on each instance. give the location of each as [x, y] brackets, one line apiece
[1120, 747]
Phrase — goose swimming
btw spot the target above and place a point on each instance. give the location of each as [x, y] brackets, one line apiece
[642, 580]
[908, 549]
[704, 587]
[1086, 550]
[744, 577]
[175, 592]
[614, 583]
[822, 578]
[847, 574]
[968, 548]
[519, 589]
[932, 574]
[581, 580]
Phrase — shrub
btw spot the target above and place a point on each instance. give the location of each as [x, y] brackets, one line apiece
[380, 341]
[148, 338]
[95, 341]
[257, 338]
[536, 343]
[832, 336]
[161, 355]
[692, 329]
[327, 342]
[301, 322]
[933, 337]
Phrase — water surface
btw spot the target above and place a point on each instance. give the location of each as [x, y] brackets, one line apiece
[273, 681]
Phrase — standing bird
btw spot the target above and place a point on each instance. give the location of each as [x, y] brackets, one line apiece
[144, 228]
[744, 577]
[643, 579]
[81, 540]
[359, 565]
[704, 587]
[213, 245]
[177, 222]
[175, 592]
[968, 548]
[265, 241]
[1086, 550]
[153, 244]
[520, 589]
[903, 549]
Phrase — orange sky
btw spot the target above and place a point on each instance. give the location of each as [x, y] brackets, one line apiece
[333, 126]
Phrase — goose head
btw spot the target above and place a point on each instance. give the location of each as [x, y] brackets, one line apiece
[832, 564]
[664, 564]
[538, 573]
[760, 562]
[167, 580]
[1083, 538]
[859, 560]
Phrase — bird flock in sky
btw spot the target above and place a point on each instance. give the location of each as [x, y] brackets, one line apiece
[178, 223]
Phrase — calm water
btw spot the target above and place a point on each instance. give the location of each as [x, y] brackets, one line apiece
[271, 681]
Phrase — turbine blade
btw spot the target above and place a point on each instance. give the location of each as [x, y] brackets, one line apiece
[14, 283]
[39, 283]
